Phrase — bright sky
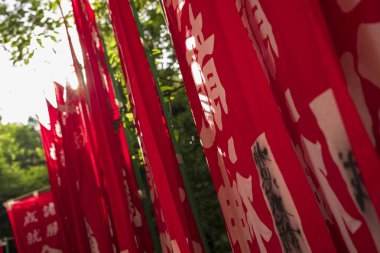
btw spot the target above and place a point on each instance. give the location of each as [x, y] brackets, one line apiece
[23, 89]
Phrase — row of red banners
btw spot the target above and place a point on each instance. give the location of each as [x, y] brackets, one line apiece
[265, 86]
[285, 97]
[36, 224]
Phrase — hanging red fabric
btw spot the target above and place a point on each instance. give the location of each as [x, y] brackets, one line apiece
[56, 185]
[91, 149]
[355, 29]
[35, 224]
[293, 43]
[176, 224]
[80, 159]
[266, 200]
[69, 176]
[126, 208]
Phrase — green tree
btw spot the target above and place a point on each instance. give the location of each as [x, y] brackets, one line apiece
[24, 25]
[22, 165]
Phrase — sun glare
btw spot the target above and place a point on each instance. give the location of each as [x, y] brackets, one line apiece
[23, 88]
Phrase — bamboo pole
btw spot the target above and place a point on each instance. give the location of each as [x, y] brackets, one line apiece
[6, 246]
[8, 204]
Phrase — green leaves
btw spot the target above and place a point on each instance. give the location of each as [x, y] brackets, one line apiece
[156, 51]
[39, 41]
[53, 38]
[24, 21]
[22, 165]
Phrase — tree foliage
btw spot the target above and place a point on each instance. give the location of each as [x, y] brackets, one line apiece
[159, 46]
[22, 165]
[24, 25]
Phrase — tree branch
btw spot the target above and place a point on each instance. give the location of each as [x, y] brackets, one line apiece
[167, 93]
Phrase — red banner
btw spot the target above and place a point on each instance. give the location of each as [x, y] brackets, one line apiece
[265, 197]
[355, 28]
[175, 221]
[126, 209]
[293, 44]
[57, 186]
[35, 225]
[80, 161]
[71, 208]
[91, 142]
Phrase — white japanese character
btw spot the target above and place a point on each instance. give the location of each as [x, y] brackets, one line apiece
[166, 242]
[177, 6]
[348, 5]
[329, 119]
[135, 214]
[52, 229]
[62, 159]
[53, 154]
[30, 217]
[278, 198]
[93, 242]
[33, 237]
[260, 33]
[368, 58]
[355, 88]
[79, 138]
[242, 225]
[49, 209]
[47, 249]
[58, 130]
[345, 222]
[210, 89]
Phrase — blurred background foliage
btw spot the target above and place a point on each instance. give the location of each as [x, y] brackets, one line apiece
[25, 26]
[22, 165]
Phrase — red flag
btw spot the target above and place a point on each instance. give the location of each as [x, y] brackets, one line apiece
[91, 143]
[266, 200]
[127, 214]
[87, 124]
[69, 176]
[56, 185]
[80, 161]
[176, 223]
[355, 28]
[294, 45]
[35, 225]
[13, 226]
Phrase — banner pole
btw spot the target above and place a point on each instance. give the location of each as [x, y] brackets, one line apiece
[147, 203]
[6, 245]
[169, 125]
[41, 190]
